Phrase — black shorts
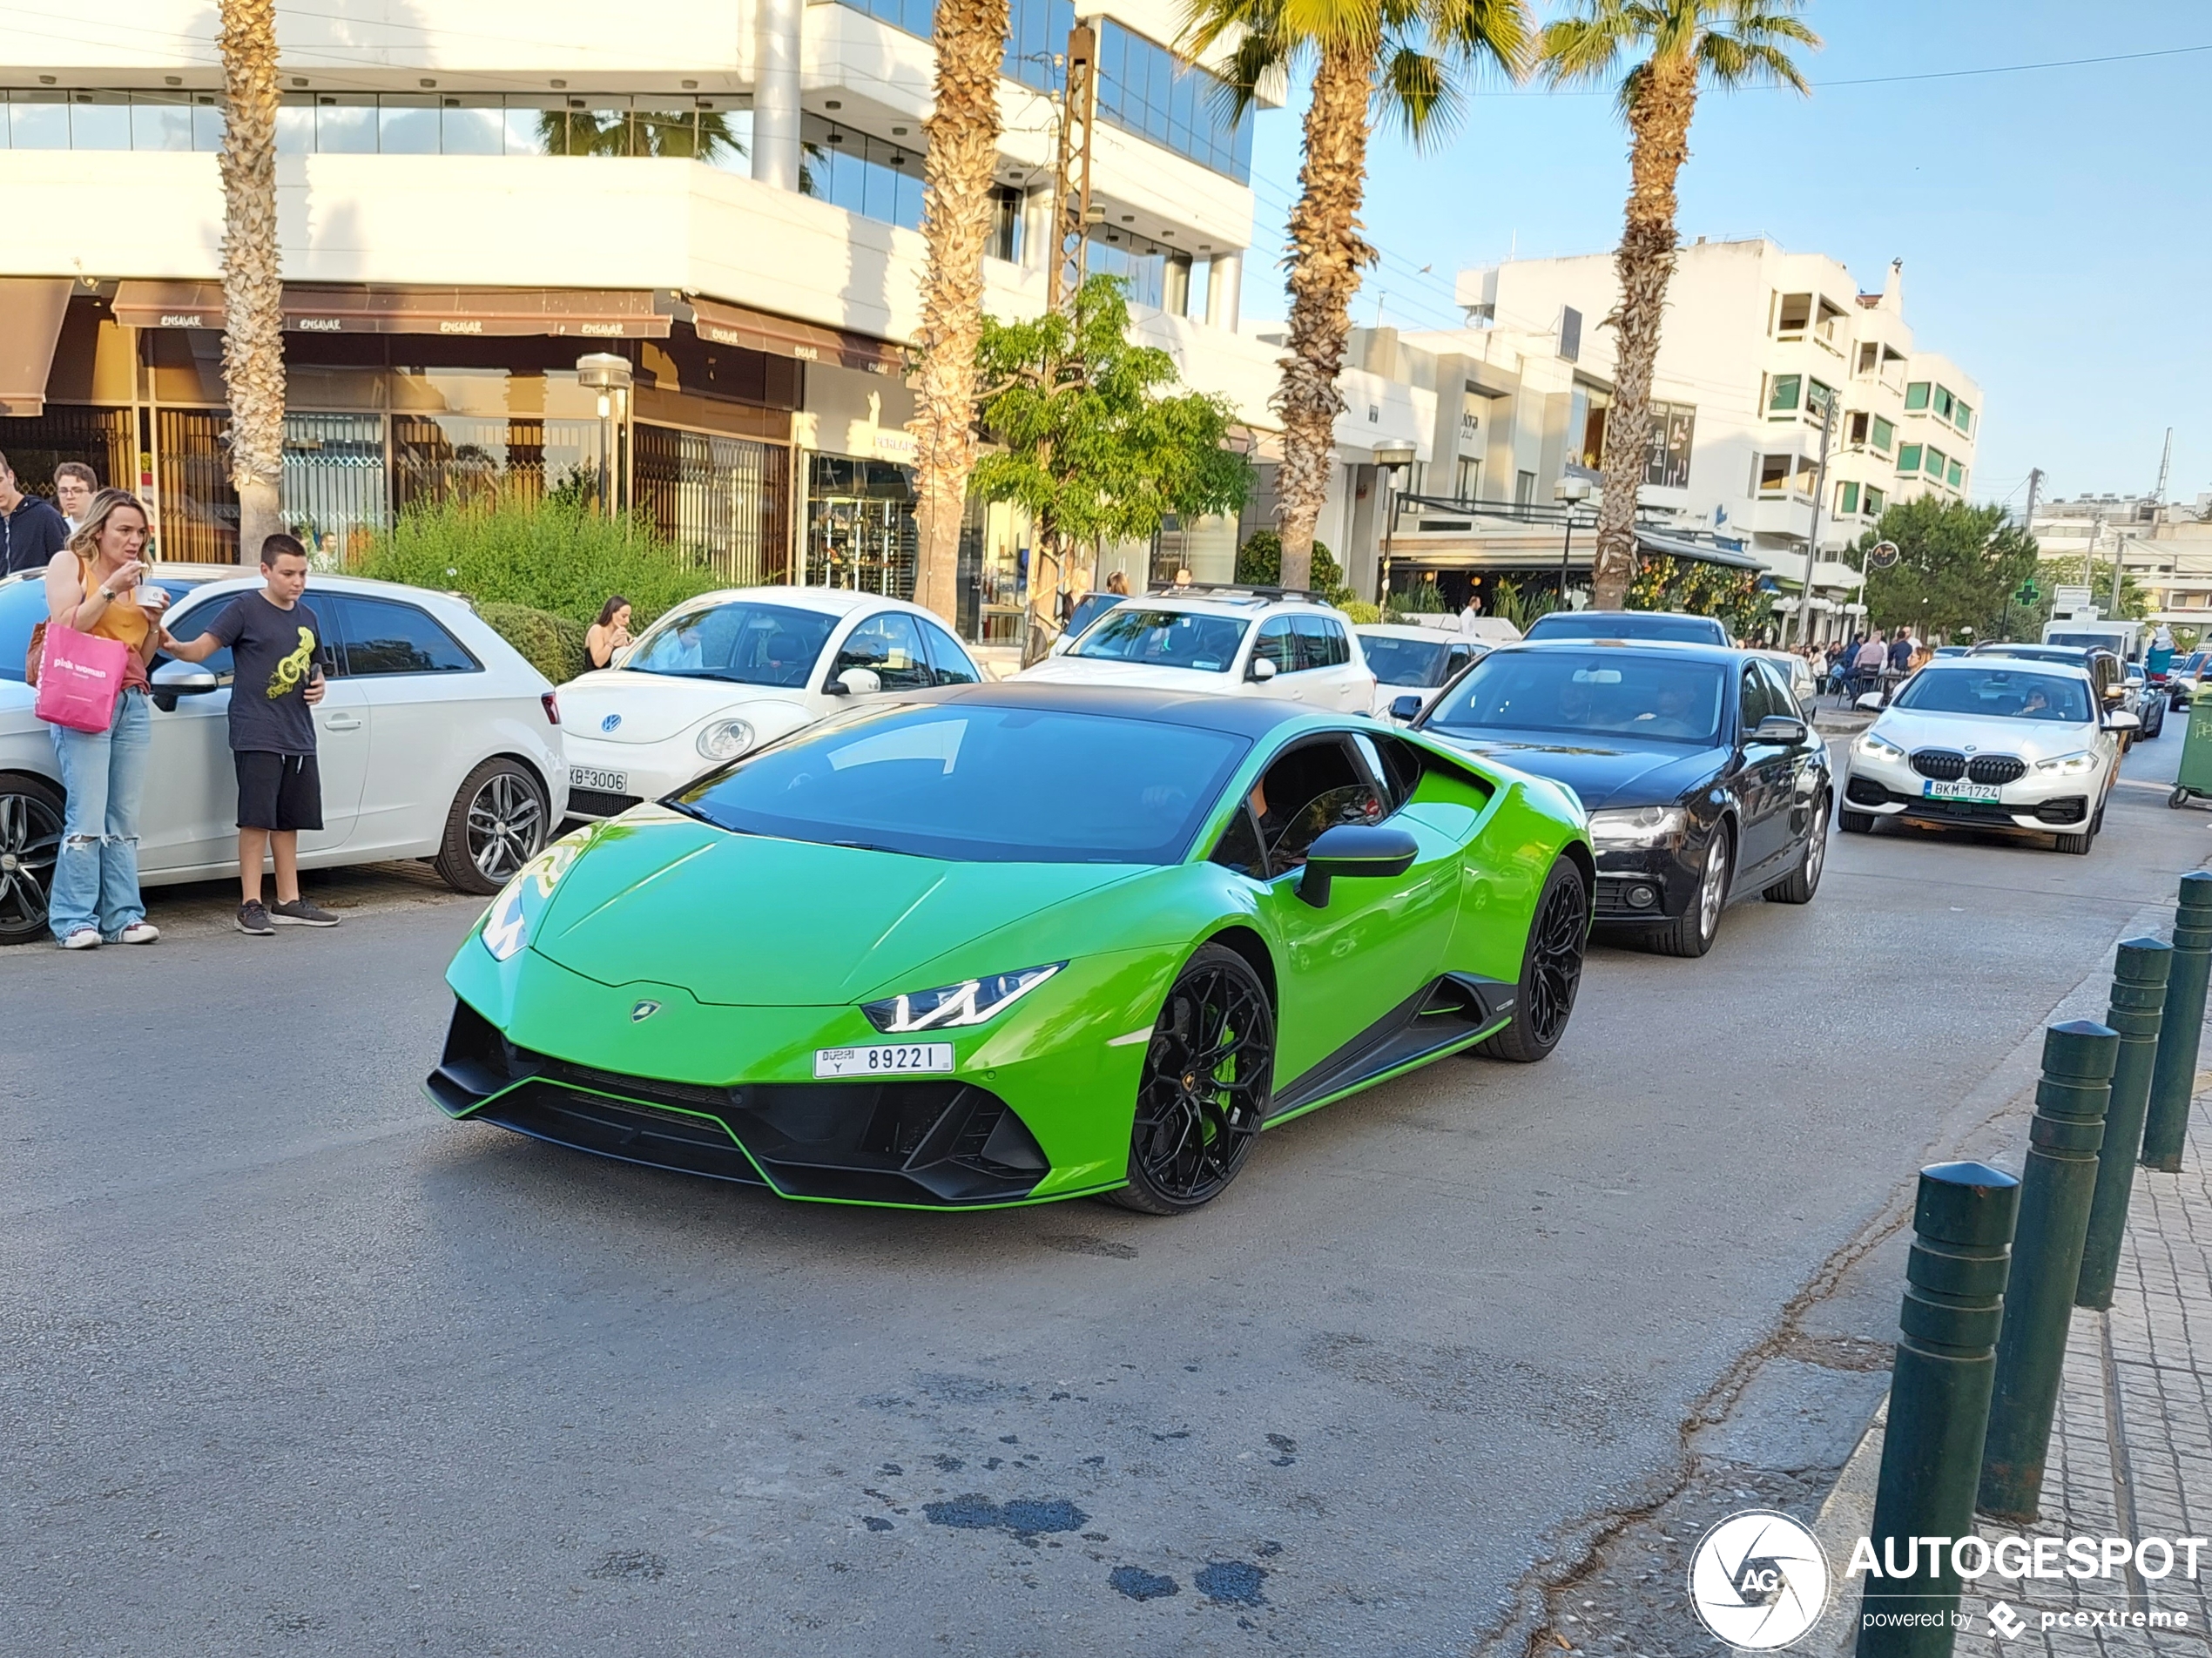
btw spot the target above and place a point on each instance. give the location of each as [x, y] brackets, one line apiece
[278, 791]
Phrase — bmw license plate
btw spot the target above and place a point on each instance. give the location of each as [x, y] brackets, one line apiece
[901, 1059]
[585, 776]
[1959, 790]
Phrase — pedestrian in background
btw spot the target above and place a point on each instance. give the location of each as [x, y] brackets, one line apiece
[1118, 582]
[1901, 651]
[610, 633]
[276, 680]
[1867, 668]
[96, 585]
[74, 487]
[32, 531]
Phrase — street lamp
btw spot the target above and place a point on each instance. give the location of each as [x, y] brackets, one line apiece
[1388, 457]
[1573, 492]
[607, 374]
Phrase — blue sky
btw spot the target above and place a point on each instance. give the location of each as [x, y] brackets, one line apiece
[2054, 224]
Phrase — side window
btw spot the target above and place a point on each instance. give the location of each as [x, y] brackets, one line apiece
[947, 661]
[1456, 658]
[889, 646]
[1756, 702]
[1321, 642]
[388, 637]
[1395, 765]
[1239, 848]
[1276, 645]
[1781, 699]
[1314, 786]
[195, 621]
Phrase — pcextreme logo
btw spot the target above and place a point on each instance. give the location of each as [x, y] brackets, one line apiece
[1758, 1579]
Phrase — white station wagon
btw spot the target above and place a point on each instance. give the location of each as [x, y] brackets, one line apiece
[1221, 644]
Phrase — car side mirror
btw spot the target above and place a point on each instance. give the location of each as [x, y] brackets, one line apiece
[2120, 720]
[1262, 670]
[1354, 850]
[1872, 702]
[854, 682]
[1780, 728]
[176, 678]
[1407, 708]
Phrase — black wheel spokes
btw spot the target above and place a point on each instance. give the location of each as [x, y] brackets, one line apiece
[1557, 963]
[1204, 1088]
[30, 838]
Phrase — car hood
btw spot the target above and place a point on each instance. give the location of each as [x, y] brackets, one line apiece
[1603, 776]
[747, 920]
[2032, 739]
[651, 708]
[1101, 670]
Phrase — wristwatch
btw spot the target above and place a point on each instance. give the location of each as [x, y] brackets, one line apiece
[107, 595]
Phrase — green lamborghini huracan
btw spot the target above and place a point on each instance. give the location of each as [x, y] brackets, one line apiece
[1005, 943]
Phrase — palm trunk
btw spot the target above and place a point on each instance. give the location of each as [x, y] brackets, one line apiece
[963, 129]
[253, 284]
[1659, 126]
[1047, 561]
[1327, 255]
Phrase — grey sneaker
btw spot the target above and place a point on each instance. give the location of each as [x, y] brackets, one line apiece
[252, 919]
[300, 913]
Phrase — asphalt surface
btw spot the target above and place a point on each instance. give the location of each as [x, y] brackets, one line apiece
[289, 1364]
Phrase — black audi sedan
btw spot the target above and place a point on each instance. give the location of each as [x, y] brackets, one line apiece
[1702, 775]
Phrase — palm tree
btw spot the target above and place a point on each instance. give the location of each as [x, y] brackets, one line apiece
[1409, 54]
[253, 284]
[1679, 44]
[963, 129]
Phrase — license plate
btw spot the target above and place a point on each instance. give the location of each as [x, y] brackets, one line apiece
[903, 1058]
[1960, 790]
[584, 777]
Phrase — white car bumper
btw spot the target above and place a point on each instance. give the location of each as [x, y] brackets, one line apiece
[607, 778]
[2060, 803]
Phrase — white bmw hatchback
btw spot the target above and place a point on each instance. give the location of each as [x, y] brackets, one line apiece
[721, 674]
[1230, 645]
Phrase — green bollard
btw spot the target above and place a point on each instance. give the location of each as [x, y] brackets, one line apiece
[2138, 994]
[2055, 1190]
[2173, 1078]
[1938, 1405]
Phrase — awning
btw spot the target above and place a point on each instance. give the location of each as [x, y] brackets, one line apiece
[591, 314]
[730, 325]
[31, 309]
[1703, 552]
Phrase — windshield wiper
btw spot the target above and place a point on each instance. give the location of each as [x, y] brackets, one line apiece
[869, 845]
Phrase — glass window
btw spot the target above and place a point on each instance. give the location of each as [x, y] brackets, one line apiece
[1955, 475]
[1602, 692]
[889, 646]
[409, 127]
[1774, 472]
[101, 125]
[1405, 661]
[1941, 401]
[1780, 697]
[1963, 417]
[1618, 624]
[747, 644]
[526, 130]
[1755, 700]
[1321, 642]
[981, 784]
[38, 121]
[189, 625]
[1915, 395]
[1784, 393]
[295, 131]
[1998, 693]
[160, 123]
[1312, 787]
[1847, 499]
[1908, 458]
[1277, 645]
[948, 662]
[1885, 434]
[1874, 498]
[1142, 89]
[1401, 767]
[387, 637]
[1933, 465]
[1239, 848]
[207, 125]
[345, 128]
[1165, 639]
[471, 129]
[1818, 395]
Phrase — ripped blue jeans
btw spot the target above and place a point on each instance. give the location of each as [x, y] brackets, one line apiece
[96, 877]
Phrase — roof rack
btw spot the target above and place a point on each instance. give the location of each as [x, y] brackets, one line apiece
[1232, 590]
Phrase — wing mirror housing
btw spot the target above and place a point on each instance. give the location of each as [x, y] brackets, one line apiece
[1261, 669]
[854, 682]
[1354, 850]
[2118, 720]
[1872, 702]
[1405, 708]
[173, 679]
[1780, 728]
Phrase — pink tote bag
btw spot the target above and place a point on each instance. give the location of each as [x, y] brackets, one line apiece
[79, 678]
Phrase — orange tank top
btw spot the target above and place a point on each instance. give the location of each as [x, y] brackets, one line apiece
[122, 620]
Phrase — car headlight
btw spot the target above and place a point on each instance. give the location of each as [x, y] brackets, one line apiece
[950, 1007]
[725, 740]
[2072, 764]
[1878, 748]
[1637, 827]
[507, 924]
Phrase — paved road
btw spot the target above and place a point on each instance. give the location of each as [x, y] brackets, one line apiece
[290, 1364]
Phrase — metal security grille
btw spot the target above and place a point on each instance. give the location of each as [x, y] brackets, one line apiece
[1944, 766]
[199, 508]
[440, 457]
[335, 485]
[721, 498]
[101, 438]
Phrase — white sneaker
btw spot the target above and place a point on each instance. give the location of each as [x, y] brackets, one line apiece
[85, 938]
[139, 932]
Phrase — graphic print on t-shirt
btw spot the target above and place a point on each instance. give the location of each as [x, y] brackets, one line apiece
[293, 669]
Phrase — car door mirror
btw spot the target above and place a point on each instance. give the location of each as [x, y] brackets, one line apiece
[1780, 728]
[1261, 671]
[2120, 720]
[1354, 850]
[1407, 708]
[173, 679]
[1872, 702]
[854, 682]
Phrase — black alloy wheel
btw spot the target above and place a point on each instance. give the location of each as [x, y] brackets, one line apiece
[1209, 1072]
[498, 824]
[1551, 970]
[31, 841]
[1692, 933]
[1801, 883]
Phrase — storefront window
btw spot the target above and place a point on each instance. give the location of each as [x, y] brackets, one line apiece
[859, 525]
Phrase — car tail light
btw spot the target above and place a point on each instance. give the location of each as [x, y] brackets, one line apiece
[551, 703]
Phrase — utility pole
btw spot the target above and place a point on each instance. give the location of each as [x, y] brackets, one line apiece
[2034, 488]
[2165, 469]
[1071, 208]
[1812, 539]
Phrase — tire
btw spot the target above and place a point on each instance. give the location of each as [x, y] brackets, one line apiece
[2078, 845]
[2157, 725]
[1801, 883]
[1551, 970]
[1692, 933]
[2179, 798]
[498, 824]
[30, 839]
[1216, 1014]
[1854, 823]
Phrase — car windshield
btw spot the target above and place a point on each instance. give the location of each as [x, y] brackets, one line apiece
[1996, 693]
[2086, 640]
[1405, 661]
[1163, 639]
[1088, 610]
[22, 607]
[983, 784]
[744, 643]
[1604, 694]
[1617, 624]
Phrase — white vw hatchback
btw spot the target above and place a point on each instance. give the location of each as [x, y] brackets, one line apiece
[1225, 644]
[721, 674]
[1990, 743]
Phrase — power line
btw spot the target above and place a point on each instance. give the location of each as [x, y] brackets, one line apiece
[1893, 80]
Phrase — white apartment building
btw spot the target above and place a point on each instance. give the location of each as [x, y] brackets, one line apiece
[2165, 548]
[473, 195]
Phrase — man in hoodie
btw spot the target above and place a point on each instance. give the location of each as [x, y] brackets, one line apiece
[31, 532]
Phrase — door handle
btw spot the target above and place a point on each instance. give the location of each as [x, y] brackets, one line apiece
[341, 722]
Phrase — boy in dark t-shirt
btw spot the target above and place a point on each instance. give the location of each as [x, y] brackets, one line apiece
[275, 643]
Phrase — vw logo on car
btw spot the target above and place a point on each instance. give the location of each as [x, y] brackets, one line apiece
[610, 722]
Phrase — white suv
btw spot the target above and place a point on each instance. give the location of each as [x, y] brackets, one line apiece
[1223, 644]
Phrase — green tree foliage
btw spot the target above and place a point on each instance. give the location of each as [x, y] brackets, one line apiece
[1957, 567]
[552, 644]
[2074, 569]
[1698, 589]
[645, 132]
[1094, 443]
[1259, 563]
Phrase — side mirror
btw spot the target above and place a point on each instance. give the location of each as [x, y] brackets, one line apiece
[1353, 849]
[1407, 708]
[2118, 720]
[1872, 702]
[1780, 728]
[854, 682]
[175, 678]
[1262, 670]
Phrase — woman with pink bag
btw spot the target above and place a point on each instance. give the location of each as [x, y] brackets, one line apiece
[96, 586]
